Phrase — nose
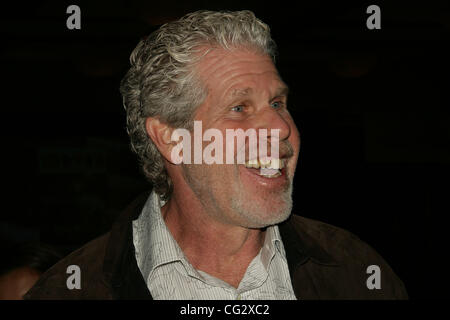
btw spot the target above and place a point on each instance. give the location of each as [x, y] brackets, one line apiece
[272, 119]
[277, 129]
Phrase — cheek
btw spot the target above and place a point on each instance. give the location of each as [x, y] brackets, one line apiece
[220, 173]
[294, 137]
[297, 140]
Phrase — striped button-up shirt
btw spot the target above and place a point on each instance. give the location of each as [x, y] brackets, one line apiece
[169, 275]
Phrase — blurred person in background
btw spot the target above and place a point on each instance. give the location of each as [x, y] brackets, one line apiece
[22, 265]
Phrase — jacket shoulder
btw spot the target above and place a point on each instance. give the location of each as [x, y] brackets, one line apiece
[354, 257]
[335, 240]
[53, 284]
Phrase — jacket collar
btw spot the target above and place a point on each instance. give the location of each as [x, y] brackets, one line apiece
[300, 247]
[120, 270]
[121, 273]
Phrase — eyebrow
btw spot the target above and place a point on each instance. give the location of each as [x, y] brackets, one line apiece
[240, 92]
[281, 91]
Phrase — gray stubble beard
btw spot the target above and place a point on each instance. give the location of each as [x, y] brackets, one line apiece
[248, 217]
[254, 219]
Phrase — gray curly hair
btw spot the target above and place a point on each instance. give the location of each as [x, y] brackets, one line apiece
[162, 82]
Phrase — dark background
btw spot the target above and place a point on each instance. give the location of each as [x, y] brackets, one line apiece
[371, 105]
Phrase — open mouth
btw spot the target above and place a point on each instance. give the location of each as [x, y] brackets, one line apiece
[266, 167]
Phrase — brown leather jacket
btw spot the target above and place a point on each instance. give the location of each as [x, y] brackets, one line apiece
[325, 262]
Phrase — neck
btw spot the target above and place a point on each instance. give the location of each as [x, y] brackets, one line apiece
[216, 247]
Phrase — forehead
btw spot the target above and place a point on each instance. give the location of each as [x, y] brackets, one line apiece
[238, 71]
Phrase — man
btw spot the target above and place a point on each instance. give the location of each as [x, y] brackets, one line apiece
[216, 230]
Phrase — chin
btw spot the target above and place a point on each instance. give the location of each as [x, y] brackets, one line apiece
[264, 212]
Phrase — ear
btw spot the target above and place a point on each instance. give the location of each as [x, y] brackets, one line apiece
[160, 133]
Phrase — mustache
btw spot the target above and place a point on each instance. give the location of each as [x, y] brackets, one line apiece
[286, 150]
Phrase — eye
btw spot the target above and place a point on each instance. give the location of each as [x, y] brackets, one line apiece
[238, 108]
[277, 104]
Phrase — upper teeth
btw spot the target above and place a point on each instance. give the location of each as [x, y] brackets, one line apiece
[265, 163]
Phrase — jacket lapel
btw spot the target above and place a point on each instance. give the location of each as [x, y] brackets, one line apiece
[120, 270]
[302, 251]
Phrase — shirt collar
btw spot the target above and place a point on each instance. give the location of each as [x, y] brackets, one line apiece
[272, 246]
[154, 244]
